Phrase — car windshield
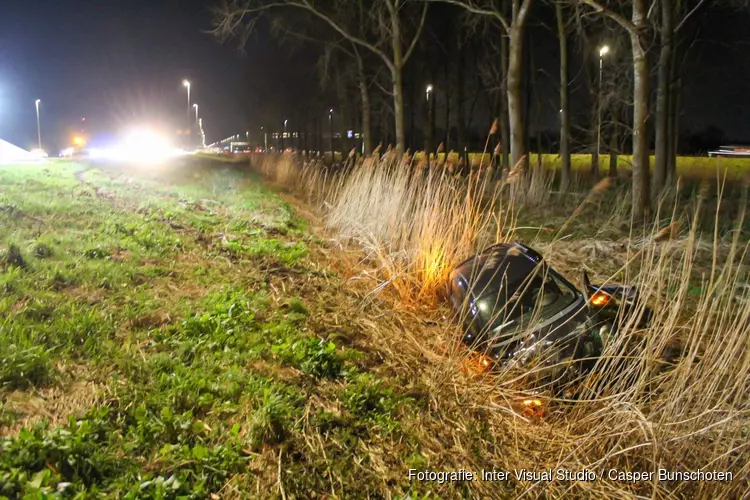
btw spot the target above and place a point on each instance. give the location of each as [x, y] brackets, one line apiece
[538, 299]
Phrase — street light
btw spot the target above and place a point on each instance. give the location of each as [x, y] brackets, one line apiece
[330, 132]
[283, 137]
[196, 112]
[186, 84]
[38, 124]
[603, 50]
[265, 139]
[430, 125]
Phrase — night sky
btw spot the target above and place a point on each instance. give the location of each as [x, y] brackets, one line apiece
[121, 62]
[116, 62]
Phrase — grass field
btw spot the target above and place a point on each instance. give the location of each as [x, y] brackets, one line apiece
[174, 336]
[180, 331]
[692, 167]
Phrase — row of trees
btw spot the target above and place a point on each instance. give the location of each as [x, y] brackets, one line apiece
[364, 43]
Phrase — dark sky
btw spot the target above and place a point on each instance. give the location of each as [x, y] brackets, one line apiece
[121, 63]
[116, 62]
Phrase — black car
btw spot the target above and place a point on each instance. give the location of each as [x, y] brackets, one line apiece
[518, 311]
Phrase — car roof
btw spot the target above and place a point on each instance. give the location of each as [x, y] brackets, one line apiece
[505, 265]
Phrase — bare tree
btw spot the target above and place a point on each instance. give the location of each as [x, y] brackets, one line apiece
[671, 12]
[514, 25]
[635, 28]
[494, 79]
[302, 31]
[564, 104]
[384, 35]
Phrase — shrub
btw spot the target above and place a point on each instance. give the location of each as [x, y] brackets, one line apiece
[269, 422]
[42, 251]
[12, 257]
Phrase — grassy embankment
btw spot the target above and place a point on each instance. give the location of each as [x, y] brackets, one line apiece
[177, 335]
[182, 332]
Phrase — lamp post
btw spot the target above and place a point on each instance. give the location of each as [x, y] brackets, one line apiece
[186, 84]
[265, 139]
[429, 135]
[196, 112]
[38, 124]
[283, 137]
[595, 165]
[330, 132]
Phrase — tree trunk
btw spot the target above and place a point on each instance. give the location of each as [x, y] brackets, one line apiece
[460, 103]
[398, 111]
[529, 84]
[564, 106]
[672, 172]
[365, 98]
[411, 98]
[397, 78]
[661, 159]
[641, 170]
[383, 123]
[504, 128]
[597, 119]
[673, 125]
[515, 94]
[448, 91]
[341, 92]
[614, 141]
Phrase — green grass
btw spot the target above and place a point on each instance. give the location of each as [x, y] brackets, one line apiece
[169, 292]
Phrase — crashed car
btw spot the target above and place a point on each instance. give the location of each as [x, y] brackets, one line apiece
[519, 312]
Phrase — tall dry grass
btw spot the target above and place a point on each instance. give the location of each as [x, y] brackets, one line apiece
[675, 396]
[418, 222]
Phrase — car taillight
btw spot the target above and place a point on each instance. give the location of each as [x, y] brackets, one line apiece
[601, 299]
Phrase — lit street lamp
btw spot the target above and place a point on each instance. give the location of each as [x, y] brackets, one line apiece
[430, 125]
[186, 84]
[283, 137]
[602, 52]
[196, 112]
[38, 124]
[330, 132]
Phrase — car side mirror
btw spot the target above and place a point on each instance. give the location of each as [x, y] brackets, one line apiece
[586, 286]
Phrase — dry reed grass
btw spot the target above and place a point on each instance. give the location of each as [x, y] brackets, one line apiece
[674, 397]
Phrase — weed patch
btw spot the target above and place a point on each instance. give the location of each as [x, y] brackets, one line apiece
[12, 257]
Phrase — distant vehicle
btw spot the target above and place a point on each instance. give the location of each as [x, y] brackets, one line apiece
[240, 147]
[519, 311]
[727, 151]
